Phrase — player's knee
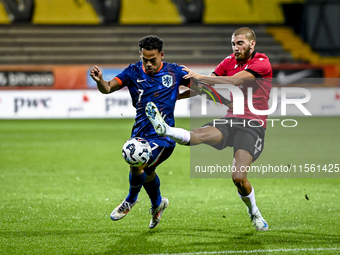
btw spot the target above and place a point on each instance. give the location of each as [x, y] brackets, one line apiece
[136, 170]
[150, 176]
[149, 171]
[239, 181]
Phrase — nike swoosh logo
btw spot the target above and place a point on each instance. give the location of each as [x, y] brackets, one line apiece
[139, 80]
[285, 79]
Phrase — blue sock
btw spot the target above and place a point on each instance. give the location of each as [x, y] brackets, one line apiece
[152, 188]
[136, 183]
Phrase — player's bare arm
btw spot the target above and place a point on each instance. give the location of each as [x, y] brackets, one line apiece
[237, 79]
[193, 90]
[103, 86]
[197, 86]
[186, 93]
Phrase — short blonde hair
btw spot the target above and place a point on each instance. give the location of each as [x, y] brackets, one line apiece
[249, 33]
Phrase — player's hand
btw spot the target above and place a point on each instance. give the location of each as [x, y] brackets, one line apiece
[96, 74]
[191, 74]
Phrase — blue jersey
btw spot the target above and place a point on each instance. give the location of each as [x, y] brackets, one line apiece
[160, 88]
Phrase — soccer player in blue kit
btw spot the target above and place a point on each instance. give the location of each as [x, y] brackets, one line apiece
[149, 80]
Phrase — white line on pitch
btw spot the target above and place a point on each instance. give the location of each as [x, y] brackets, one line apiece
[250, 251]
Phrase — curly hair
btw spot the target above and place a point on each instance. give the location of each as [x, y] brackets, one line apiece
[151, 42]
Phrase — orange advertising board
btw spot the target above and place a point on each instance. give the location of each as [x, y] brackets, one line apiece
[43, 77]
[33, 77]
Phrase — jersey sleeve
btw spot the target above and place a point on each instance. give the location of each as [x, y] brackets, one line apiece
[184, 82]
[220, 70]
[123, 77]
[259, 67]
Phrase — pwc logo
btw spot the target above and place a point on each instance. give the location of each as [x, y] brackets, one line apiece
[32, 103]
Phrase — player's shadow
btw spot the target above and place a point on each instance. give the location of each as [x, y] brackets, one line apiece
[205, 238]
[172, 239]
[134, 242]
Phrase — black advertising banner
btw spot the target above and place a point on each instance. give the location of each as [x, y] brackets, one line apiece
[305, 75]
[26, 79]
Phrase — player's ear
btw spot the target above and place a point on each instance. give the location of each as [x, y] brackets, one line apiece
[252, 44]
[140, 54]
[162, 54]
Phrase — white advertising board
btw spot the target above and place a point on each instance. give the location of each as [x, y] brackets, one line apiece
[36, 104]
[71, 104]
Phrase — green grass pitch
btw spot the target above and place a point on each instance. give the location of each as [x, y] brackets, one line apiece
[60, 180]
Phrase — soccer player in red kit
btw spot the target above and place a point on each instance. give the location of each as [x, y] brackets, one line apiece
[244, 68]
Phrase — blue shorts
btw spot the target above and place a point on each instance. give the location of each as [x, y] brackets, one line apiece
[161, 151]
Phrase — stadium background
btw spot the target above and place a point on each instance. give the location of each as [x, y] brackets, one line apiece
[51, 45]
[60, 139]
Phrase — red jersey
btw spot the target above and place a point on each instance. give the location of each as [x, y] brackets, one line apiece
[260, 67]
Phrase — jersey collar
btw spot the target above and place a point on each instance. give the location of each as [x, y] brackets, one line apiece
[157, 70]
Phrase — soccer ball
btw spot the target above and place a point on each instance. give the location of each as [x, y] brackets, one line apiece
[136, 151]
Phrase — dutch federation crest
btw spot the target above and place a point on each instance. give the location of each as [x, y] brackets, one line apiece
[167, 80]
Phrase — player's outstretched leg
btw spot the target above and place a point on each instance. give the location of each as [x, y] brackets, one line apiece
[122, 210]
[155, 118]
[179, 135]
[157, 213]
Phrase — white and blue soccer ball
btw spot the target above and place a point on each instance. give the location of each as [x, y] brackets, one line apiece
[136, 151]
